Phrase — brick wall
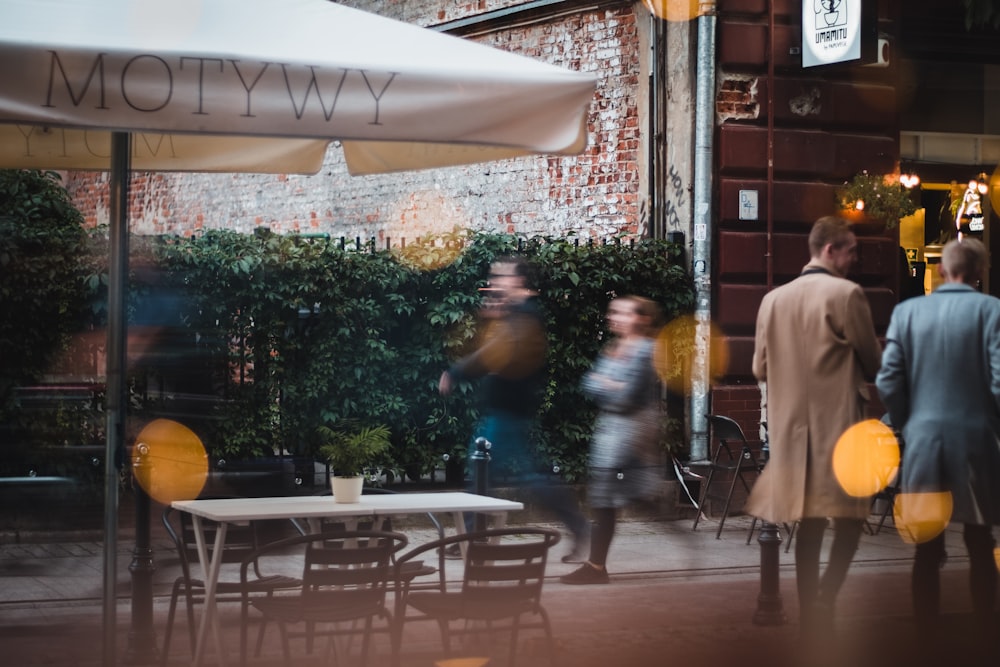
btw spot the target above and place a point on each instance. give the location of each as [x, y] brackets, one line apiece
[829, 123]
[595, 194]
[429, 12]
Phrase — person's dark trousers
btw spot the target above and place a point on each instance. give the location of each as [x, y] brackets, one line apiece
[560, 499]
[510, 439]
[557, 498]
[925, 584]
[926, 580]
[509, 436]
[817, 595]
[603, 531]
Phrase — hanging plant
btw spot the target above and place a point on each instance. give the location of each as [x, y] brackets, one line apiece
[876, 197]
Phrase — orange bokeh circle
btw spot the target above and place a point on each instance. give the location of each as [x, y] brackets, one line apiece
[169, 461]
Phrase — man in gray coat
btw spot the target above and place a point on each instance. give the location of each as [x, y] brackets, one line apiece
[940, 381]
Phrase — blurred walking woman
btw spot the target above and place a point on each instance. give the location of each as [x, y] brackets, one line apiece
[623, 450]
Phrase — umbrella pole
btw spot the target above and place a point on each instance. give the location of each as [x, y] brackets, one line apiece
[115, 397]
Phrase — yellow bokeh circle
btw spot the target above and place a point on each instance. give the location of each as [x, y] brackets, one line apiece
[673, 10]
[866, 458]
[921, 517]
[676, 349]
[994, 188]
[512, 349]
[428, 254]
[169, 461]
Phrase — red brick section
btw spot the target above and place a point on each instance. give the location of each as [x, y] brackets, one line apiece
[829, 124]
[595, 194]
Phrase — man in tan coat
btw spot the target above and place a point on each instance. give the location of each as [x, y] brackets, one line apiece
[816, 349]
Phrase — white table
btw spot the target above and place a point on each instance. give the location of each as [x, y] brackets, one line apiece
[311, 508]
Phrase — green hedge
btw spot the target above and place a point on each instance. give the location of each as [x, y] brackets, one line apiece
[256, 340]
[296, 332]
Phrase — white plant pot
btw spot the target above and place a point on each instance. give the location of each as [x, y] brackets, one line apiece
[346, 489]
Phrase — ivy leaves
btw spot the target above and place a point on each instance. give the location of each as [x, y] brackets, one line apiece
[287, 334]
[328, 333]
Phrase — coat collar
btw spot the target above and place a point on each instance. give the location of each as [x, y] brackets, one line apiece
[955, 287]
[816, 267]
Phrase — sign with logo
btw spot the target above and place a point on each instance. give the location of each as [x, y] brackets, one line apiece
[831, 31]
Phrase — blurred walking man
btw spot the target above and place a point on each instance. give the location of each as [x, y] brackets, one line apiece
[940, 381]
[509, 365]
[816, 349]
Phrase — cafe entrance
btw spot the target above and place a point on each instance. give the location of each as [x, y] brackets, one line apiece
[958, 208]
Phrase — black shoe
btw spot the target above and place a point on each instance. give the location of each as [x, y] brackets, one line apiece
[453, 552]
[586, 574]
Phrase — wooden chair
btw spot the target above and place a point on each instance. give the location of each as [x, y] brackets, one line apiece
[501, 585]
[344, 579]
[240, 542]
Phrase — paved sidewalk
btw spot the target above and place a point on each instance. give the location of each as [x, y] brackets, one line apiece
[676, 596]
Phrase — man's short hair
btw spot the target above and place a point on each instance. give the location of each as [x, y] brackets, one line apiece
[829, 229]
[966, 259]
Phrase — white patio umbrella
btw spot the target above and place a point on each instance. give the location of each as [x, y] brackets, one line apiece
[399, 96]
[255, 86]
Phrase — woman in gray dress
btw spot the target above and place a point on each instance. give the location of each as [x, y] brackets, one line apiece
[623, 450]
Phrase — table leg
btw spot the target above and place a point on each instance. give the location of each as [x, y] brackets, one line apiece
[210, 571]
[459, 519]
[499, 521]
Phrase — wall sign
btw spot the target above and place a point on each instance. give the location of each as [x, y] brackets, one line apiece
[748, 205]
[831, 31]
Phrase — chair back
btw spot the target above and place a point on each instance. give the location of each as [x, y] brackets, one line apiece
[501, 564]
[357, 560]
[507, 572]
[727, 429]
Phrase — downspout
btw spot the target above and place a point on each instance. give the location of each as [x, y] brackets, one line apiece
[704, 122]
[770, 148]
[657, 228]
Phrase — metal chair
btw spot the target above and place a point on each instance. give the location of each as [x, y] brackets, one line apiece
[789, 528]
[240, 541]
[344, 579]
[739, 459]
[418, 572]
[502, 582]
[888, 497]
[415, 569]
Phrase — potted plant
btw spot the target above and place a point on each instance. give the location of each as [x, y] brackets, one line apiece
[350, 449]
